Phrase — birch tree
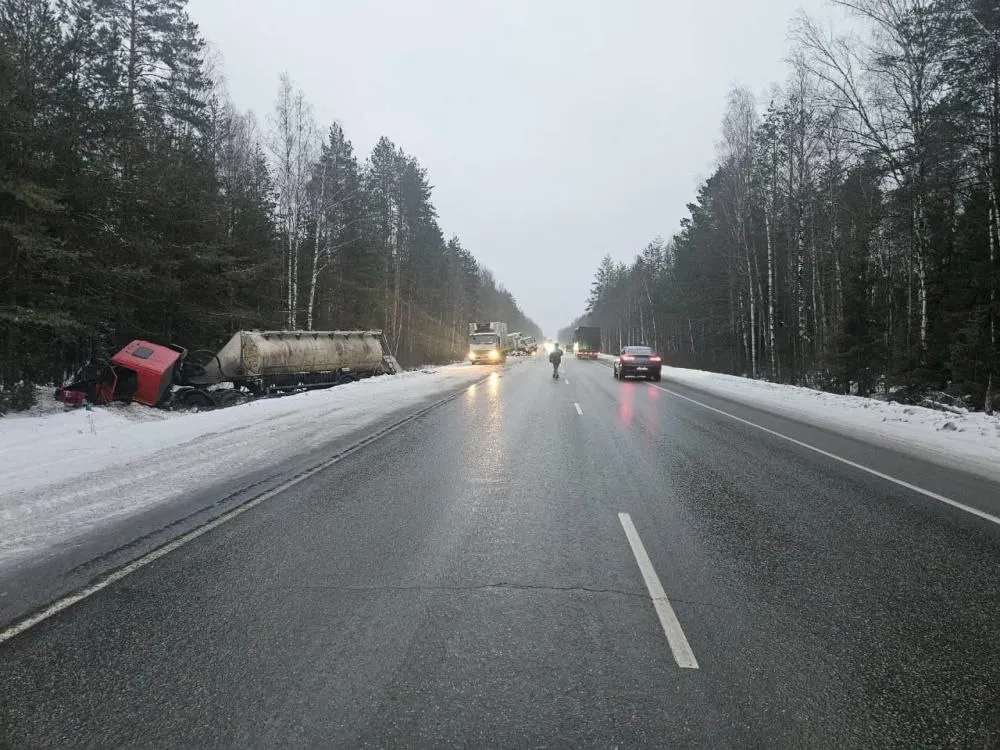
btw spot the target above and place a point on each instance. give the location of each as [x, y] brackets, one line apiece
[770, 156]
[292, 143]
[736, 155]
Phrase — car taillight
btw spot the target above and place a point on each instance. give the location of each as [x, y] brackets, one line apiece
[655, 358]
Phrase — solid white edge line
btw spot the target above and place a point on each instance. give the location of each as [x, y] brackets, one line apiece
[679, 645]
[578, 409]
[854, 464]
[69, 600]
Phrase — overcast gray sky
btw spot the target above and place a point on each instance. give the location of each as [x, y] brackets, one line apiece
[553, 131]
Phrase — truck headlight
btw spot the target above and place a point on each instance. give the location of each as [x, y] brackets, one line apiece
[494, 354]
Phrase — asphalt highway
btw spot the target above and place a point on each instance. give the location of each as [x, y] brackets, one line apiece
[541, 563]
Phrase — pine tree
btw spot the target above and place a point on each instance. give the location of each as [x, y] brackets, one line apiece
[35, 318]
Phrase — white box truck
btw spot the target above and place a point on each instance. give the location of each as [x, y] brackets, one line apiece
[488, 343]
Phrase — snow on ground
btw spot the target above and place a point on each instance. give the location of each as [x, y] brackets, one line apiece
[64, 473]
[969, 441]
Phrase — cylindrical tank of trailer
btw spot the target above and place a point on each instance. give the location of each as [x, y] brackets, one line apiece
[268, 357]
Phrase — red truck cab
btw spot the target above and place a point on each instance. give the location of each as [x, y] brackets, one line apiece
[141, 372]
[146, 369]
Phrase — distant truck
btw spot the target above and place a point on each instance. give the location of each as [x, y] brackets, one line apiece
[521, 344]
[588, 342]
[488, 342]
[515, 342]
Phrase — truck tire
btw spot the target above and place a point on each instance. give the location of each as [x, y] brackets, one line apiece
[194, 398]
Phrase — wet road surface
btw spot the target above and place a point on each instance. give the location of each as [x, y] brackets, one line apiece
[487, 576]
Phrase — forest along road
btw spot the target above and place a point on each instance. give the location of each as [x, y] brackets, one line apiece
[579, 562]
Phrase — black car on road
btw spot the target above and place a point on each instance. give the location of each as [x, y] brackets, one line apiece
[638, 362]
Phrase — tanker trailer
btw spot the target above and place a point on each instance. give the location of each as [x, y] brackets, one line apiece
[277, 361]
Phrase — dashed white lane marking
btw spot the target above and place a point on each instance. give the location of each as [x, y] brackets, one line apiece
[679, 645]
[861, 467]
[578, 409]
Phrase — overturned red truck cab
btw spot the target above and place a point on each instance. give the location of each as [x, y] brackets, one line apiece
[142, 372]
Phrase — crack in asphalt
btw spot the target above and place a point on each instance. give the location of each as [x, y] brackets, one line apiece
[480, 587]
[485, 587]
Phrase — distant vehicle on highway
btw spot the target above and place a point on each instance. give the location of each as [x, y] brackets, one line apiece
[638, 361]
[488, 343]
[587, 342]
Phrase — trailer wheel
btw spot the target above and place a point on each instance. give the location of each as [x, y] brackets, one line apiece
[345, 378]
[194, 398]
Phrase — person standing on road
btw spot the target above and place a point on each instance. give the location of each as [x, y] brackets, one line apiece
[556, 358]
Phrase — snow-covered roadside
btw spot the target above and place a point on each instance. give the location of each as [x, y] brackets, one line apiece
[968, 441]
[66, 473]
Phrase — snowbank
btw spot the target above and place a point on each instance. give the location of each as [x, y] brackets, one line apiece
[63, 474]
[969, 441]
